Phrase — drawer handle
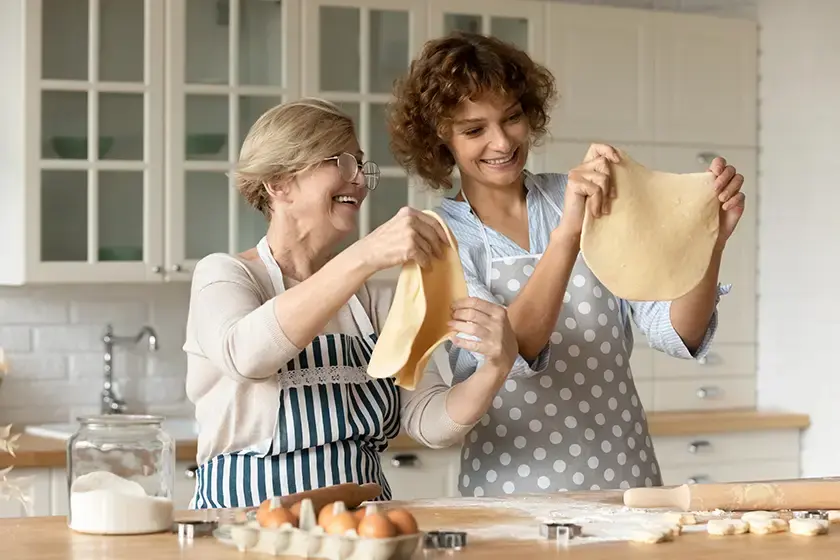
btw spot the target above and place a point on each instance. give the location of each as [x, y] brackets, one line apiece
[190, 471]
[706, 158]
[404, 460]
[697, 479]
[710, 359]
[695, 446]
[706, 392]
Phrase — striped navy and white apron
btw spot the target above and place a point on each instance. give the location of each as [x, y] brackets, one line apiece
[333, 422]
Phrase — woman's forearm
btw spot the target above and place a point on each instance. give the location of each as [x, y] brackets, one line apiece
[468, 400]
[304, 310]
[533, 314]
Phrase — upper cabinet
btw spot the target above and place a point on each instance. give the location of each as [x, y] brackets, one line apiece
[119, 146]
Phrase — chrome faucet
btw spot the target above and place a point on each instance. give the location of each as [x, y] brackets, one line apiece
[111, 403]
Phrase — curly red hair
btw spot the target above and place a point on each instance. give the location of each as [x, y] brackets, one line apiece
[462, 66]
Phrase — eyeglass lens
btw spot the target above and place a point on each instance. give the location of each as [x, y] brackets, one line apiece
[348, 167]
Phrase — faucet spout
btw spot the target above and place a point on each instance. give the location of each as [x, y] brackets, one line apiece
[111, 403]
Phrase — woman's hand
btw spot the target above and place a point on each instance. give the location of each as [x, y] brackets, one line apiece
[588, 187]
[728, 188]
[489, 322]
[410, 235]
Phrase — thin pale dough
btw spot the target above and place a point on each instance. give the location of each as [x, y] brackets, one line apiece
[417, 320]
[657, 241]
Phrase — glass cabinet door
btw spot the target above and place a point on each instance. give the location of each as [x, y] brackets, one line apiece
[101, 159]
[231, 60]
[353, 51]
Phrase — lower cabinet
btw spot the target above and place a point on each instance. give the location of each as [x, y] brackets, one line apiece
[423, 473]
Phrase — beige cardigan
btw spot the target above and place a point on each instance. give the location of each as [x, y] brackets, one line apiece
[235, 345]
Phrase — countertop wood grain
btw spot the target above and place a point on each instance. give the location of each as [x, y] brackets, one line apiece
[48, 538]
[45, 452]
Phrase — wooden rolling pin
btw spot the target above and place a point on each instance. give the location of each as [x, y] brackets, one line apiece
[350, 493]
[801, 494]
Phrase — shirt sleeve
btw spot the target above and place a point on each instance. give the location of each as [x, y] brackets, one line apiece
[424, 415]
[654, 319]
[465, 362]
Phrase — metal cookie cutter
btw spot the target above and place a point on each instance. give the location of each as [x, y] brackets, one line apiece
[450, 540]
[188, 530]
[813, 514]
[561, 533]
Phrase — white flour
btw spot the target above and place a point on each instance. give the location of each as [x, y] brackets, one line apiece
[600, 522]
[103, 503]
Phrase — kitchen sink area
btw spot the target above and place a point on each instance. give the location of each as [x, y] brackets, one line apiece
[180, 429]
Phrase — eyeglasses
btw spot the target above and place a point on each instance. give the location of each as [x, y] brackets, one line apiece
[349, 167]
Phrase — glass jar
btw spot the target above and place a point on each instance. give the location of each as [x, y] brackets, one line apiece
[120, 475]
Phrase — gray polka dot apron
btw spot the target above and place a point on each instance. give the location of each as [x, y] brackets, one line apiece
[577, 425]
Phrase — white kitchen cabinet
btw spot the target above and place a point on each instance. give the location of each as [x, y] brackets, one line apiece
[706, 80]
[603, 63]
[35, 484]
[422, 473]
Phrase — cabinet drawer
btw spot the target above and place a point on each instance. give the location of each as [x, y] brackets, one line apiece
[702, 393]
[722, 360]
[422, 474]
[641, 361]
[731, 472]
[706, 449]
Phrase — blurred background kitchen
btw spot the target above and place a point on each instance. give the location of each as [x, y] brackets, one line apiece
[120, 119]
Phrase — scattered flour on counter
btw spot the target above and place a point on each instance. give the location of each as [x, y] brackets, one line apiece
[103, 503]
[600, 522]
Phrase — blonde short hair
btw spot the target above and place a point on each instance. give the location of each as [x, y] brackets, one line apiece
[286, 140]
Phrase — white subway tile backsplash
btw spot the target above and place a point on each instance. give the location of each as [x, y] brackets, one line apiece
[67, 338]
[115, 312]
[37, 366]
[32, 311]
[16, 339]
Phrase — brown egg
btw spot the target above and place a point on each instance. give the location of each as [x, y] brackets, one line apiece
[376, 526]
[359, 513]
[326, 515]
[403, 521]
[341, 523]
[295, 508]
[274, 518]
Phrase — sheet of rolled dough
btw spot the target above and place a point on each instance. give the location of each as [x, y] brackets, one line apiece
[656, 243]
[417, 320]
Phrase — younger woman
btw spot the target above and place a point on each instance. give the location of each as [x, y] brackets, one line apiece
[569, 415]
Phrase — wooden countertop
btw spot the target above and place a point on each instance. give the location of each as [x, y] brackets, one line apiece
[46, 452]
[48, 538]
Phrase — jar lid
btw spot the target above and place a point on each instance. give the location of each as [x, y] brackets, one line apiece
[105, 420]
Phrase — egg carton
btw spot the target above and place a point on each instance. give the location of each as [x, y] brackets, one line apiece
[309, 540]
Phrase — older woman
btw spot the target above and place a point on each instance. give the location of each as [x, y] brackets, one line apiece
[279, 337]
[569, 417]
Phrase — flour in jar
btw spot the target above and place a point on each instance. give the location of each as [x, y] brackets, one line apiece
[103, 503]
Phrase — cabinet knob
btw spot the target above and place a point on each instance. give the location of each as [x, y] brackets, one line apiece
[190, 471]
[706, 158]
[697, 479]
[176, 268]
[157, 269]
[695, 446]
[404, 460]
[707, 392]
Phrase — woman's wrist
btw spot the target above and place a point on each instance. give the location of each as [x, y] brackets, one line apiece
[565, 238]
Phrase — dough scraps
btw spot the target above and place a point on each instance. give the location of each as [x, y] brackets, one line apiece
[723, 527]
[657, 241]
[681, 519]
[808, 527]
[417, 320]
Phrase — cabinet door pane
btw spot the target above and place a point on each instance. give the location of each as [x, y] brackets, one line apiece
[121, 208]
[387, 199]
[340, 65]
[64, 125]
[206, 222]
[65, 33]
[121, 40]
[250, 109]
[261, 43]
[389, 35]
[461, 22]
[380, 151]
[251, 227]
[207, 127]
[353, 111]
[64, 215]
[511, 30]
[207, 42]
[121, 118]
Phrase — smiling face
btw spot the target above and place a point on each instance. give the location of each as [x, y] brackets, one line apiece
[323, 202]
[490, 141]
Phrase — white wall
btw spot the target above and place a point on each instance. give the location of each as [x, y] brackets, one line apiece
[799, 231]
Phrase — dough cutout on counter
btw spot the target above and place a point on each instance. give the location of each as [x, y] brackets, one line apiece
[417, 320]
[681, 518]
[808, 527]
[767, 525]
[752, 516]
[652, 535]
[657, 241]
[723, 527]
[833, 516]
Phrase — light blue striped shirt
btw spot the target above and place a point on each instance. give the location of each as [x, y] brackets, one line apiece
[651, 317]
